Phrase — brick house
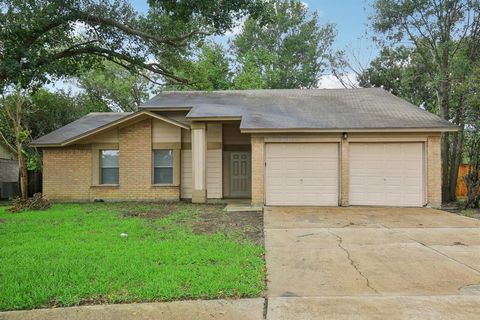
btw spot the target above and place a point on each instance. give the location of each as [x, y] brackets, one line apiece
[275, 147]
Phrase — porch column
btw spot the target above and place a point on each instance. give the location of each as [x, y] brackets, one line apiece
[199, 162]
[258, 167]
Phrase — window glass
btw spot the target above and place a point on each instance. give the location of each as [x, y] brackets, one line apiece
[163, 166]
[109, 166]
[163, 158]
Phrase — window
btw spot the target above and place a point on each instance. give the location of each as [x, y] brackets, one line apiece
[109, 167]
[163, 166]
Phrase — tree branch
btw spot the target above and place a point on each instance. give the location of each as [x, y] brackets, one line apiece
[7, 143]
[175, 41]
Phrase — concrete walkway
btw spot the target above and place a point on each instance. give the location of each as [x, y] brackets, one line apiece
[243, 309]
[371, 263]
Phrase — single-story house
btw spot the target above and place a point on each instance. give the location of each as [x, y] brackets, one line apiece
[8, 173]
[276, 147]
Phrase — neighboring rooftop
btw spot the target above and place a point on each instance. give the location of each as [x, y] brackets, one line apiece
[90, 122]
[322, 109]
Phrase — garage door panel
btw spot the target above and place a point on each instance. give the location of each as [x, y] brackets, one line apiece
[302, 174]
[386, 174]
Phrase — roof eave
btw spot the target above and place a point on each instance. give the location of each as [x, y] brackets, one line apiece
[313, 130]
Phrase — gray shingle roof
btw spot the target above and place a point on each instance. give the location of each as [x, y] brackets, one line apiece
[90, 122]
[324, 109]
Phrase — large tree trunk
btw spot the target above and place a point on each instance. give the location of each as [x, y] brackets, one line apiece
[443, 99]
[457, 155]
[19, 139]
[22, 164]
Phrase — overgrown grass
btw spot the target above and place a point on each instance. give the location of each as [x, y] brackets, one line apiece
[73, 254]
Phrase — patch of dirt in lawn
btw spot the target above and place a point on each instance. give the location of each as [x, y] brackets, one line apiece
[248, 224]
[212, 218]
[3, 221]
[151, 210]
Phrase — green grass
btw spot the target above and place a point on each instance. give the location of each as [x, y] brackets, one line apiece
[471, 213]
[73, 254]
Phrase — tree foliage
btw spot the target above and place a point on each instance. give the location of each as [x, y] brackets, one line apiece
[210, 70]
[290, 50]
[114, 88]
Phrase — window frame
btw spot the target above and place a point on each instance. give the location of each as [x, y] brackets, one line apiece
[109, 167]
[172, 166]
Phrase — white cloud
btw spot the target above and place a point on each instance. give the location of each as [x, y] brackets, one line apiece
[331, 82]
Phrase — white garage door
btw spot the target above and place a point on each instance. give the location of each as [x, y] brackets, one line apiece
[302, 174]
[386, 174]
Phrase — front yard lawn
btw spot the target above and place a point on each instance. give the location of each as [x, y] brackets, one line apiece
[74, 254]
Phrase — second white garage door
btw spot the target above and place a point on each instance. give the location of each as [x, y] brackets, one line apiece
[302, 174]
[386, 174]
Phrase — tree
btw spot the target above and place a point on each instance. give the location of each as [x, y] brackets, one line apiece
[210, 70]
[400, 71]
[249, 75]
[290, 49]
[41, 40]
[437, 29]
[114, 87]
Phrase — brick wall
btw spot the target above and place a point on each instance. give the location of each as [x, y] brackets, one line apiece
[68, 171]
[434, 172]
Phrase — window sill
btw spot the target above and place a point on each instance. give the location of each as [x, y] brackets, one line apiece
[164, 185]
[105, 186]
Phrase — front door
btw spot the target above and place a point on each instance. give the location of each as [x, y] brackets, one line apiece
[240, 174]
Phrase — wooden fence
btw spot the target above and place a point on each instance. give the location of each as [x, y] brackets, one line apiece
[461, 187]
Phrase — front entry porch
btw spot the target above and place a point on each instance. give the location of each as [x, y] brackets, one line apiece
[221, 162]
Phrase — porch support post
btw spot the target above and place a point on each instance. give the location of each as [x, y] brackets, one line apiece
[199, 162]
[258, 170]
[344, 173]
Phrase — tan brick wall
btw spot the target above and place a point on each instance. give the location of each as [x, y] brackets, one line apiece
[434, 172]
[344, 173]
[258, 168]
[68, 171]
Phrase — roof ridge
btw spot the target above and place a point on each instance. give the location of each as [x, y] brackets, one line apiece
[263, 90]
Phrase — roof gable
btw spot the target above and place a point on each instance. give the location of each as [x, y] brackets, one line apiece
[95, 123]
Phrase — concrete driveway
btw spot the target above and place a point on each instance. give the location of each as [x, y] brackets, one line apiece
[371, 263]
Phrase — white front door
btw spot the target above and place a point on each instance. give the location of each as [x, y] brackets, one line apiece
[303, 174]
[386, 174]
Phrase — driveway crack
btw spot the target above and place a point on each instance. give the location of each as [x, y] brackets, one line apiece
[352, 263]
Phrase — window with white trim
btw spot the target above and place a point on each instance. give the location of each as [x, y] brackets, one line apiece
[163, 166]
[109, 166]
